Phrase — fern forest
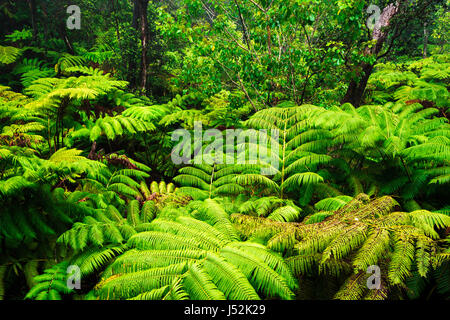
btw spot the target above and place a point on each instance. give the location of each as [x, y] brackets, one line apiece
[224, 150]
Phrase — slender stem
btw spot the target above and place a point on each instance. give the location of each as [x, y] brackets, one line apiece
[284, 160]
[406, 169]
[211, 182]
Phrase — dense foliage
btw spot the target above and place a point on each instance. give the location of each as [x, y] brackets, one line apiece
[355, 173]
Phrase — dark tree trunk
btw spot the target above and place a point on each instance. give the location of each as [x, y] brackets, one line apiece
[66, 39]
[45, 20]
[61, 26]
[132, 65]
[33, 10]
[425, 40]
[136, 14]
[115, 8]
[140, 21]
[144, 41]
[356, 88]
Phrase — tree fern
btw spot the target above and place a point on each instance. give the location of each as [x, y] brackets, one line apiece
[52, 285]
[9, 55]
[196, 253]
[364, 234]
[203, 181]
